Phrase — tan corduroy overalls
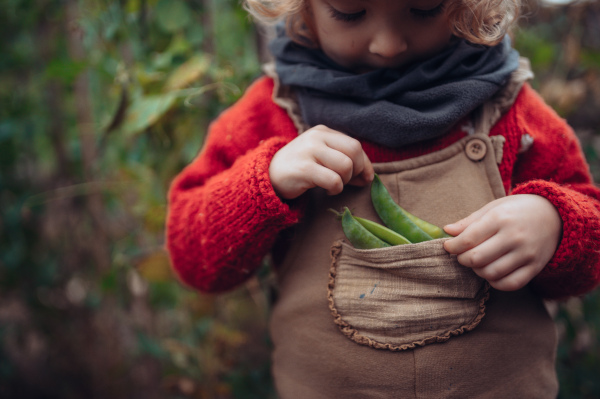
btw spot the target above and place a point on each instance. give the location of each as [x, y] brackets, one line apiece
[409, 321]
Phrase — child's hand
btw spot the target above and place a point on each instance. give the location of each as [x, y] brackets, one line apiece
[508, 241]
[319, 157]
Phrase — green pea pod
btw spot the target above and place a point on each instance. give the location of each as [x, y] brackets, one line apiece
[382, 232]
[393, 216]
[431, 229]
[360, 237]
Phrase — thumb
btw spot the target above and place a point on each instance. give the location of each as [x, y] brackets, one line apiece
[366, 175]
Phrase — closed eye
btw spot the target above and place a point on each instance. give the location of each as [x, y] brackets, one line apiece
[345, 17]
[433, 12]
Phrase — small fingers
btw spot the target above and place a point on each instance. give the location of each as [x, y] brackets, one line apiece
[320, 157]
[342, 154]
[471, 236]
[352, 148]
[484, 253]
[509, 271]
[458, 227]
[364, 177]
[327, 179]
[343, 143]
[336, 161]
[515, 280]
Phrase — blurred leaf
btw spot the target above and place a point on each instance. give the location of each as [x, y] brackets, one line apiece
[65, 70]
[145, 111]
[109, 282]
[116, 344]
[172, 15]
[541, 52]
[195, 34]
[189, 72]
[164, 294]
[81, 187]
[590, 58]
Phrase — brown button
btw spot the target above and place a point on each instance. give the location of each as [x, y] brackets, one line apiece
[476, 149]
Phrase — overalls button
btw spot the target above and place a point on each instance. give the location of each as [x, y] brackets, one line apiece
[476, 149]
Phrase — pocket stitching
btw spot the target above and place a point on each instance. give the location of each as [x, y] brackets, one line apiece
[350, 332]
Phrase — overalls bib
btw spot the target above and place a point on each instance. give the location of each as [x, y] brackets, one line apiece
[408, 321]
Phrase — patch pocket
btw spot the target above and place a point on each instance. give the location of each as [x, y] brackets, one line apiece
[399, 297]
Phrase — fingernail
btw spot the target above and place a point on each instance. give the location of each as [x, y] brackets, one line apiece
[445, 246]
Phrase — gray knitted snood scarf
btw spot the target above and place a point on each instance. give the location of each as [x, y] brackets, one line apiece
[394, 107]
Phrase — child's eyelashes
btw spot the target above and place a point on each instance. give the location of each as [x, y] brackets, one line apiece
[356, 16]
[346, 17]
[433, 12]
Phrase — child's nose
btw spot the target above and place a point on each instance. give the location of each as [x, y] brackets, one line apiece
[387, 42]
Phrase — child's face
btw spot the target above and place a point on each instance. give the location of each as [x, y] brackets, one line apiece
[363, 35]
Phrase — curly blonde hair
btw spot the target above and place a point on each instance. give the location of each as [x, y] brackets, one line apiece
[479, 22]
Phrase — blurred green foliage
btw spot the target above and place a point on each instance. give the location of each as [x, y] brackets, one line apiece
[101, 104]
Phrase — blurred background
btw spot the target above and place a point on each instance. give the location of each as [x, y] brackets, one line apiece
[101, 104]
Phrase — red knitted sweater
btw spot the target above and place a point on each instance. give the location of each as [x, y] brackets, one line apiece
[224, 215]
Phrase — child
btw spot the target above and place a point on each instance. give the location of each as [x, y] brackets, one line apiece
[429, 95]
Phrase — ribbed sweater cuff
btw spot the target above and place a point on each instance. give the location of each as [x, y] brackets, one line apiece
[563, 275]
[271, 205]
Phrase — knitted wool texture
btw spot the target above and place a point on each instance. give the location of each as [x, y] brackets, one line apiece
[224, 215]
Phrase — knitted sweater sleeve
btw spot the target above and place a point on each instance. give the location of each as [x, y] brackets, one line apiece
[223, 213]
[555, 168]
